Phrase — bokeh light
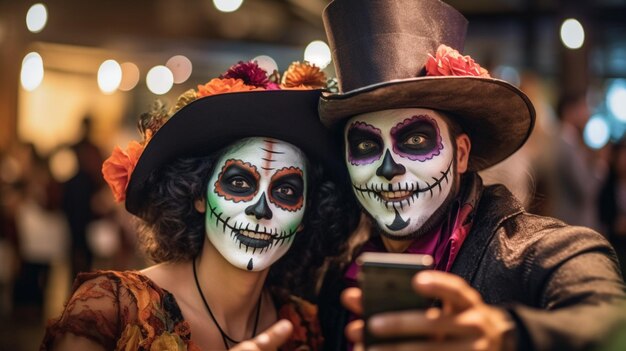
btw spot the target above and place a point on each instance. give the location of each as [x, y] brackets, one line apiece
[227, 5]
[36, 18]
[130, 76]
[181, 68]
[266, 63]
[160, 80]
[63, 164]
[616, 99]
[572, 34]
[31, 75]
[318, 53]
[597, 132]
[508, 73]
[109, 76]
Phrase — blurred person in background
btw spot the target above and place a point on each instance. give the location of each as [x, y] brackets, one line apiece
[78, 197]
[11, 194]
[528, 173]
[34, 206]
[235, 189]
[612, 201]
[579, 171]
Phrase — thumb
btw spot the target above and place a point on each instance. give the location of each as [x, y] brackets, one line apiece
[269, 340]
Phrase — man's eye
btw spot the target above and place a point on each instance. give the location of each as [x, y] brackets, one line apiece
[366, 146]
[240, 183]
[414, 140]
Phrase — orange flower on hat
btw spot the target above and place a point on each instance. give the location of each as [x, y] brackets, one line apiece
[303, 76]
[118, 168]
[223, 85]
[449, 62]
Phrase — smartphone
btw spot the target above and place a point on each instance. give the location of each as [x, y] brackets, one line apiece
[385, 279]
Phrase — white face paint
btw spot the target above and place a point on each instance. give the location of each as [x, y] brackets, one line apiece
[401, 166]
[255, 201]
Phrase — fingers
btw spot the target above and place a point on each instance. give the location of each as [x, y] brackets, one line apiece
[354, 331]
[452, 290]
[351, 299]
[269, 340]
[427, 324]
[454, 345]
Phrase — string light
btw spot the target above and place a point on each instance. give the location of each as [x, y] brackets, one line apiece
[109, 76]
[31, 74]
[317, 53]
[36, 18]
[572, 34]
[159, 80]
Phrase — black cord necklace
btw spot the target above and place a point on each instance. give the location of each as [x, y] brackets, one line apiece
[225, 336]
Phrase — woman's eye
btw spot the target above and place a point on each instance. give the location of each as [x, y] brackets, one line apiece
[240, 183]
[414, 140]
[366, 146]
[285, 190]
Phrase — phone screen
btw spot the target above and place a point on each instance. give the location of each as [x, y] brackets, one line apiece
[385, 279]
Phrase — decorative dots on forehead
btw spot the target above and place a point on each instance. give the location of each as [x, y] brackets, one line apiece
[237, 181]
[417, 138]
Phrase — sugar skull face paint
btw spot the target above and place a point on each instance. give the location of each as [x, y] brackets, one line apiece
[401, 166]
[255, 201]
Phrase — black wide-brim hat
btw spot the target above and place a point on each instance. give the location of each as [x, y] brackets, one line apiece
[380, 50]
[210, 123]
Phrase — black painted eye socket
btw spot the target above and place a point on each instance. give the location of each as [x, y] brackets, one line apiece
[238, 181]
[239, 184]
[364, 144]
[288, 189]
[417, 138]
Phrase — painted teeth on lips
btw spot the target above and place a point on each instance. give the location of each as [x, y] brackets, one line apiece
[256, 235]
[395, 195]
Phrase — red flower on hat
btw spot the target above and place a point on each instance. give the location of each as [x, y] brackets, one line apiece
[449, 62]
[249, 72]
[118, 168]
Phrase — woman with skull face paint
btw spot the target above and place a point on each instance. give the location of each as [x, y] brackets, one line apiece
[239, 209]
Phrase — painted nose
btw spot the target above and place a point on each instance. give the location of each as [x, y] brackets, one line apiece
[260, 209]
[389, 168]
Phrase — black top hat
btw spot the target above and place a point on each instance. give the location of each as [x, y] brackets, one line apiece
[380, 50]
[244, 102]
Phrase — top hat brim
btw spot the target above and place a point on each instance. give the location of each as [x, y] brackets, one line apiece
[208, 124]
[497, 116]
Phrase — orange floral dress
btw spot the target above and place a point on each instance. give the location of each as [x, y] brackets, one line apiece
[127, 311]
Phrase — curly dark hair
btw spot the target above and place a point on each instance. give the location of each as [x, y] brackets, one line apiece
[173, 230]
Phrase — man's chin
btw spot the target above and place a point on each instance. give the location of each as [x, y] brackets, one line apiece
[421, 227]
[400, 235]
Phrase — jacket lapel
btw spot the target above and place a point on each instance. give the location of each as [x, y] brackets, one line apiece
[496, 205]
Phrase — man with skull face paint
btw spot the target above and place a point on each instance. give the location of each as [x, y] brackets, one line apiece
[418, 121]
[245, 163]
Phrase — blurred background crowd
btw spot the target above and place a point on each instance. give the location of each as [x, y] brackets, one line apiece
[76, 74]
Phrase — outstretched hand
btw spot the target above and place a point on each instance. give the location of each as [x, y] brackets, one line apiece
[269, 340]
[464, 322]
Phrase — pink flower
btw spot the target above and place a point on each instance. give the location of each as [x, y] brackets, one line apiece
[449, 62]
[272, 86]
[249, 72]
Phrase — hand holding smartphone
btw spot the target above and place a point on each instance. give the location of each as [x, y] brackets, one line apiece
[385, 279]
